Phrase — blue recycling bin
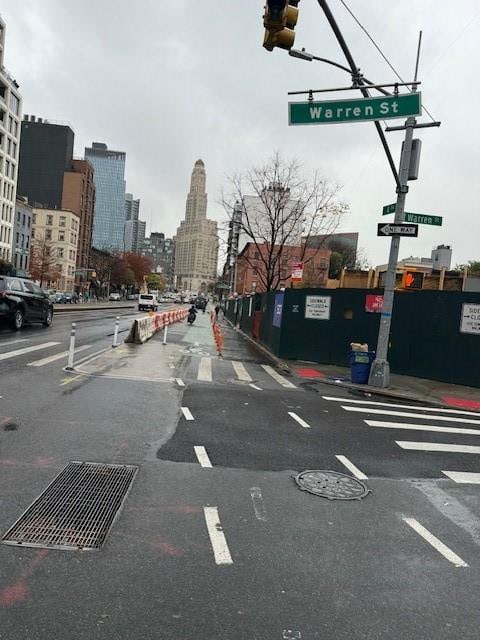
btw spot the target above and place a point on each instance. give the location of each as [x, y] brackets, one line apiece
[360, 363]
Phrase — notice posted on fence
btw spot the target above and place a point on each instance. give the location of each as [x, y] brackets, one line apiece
[470, 318]
[317, 307]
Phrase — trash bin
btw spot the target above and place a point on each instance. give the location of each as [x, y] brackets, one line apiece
[360, 363]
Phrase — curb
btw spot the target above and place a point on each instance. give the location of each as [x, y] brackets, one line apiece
[76, 307]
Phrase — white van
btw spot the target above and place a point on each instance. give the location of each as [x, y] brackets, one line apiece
[147, 301]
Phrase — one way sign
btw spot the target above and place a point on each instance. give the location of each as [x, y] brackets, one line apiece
[409, 230]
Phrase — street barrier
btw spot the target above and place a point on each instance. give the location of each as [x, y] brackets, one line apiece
[145, 327]
[217, 334]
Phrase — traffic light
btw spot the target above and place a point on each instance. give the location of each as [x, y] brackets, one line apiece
[413, 280]
[279, 20]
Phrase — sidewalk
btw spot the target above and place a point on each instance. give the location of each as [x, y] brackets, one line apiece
[406, 388]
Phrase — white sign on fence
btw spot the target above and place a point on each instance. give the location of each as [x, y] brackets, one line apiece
[470, 318]
[317, 307]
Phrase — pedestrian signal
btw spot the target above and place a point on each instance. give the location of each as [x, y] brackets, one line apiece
[413, 280]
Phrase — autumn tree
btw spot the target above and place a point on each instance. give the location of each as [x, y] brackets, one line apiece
[155, 282]
[140, 266]
[282, 208]
[43, 261]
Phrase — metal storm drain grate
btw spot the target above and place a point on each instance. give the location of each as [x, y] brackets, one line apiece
[77, 510]
[332, 485]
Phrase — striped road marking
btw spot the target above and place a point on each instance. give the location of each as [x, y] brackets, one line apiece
[2, 344]
[406, 414]
[351, 467]
[205, 370]
[254, 386]
[242, 373]
[187, 414]
[398, 406]
[421, 427]
[438, 446]
[20, 352]
[220, 548]
[300, 421]
[463, 477]
[180, 382]
[57, 356]
[437, 544]
[277, 377]
[66, 381]
[202, 457]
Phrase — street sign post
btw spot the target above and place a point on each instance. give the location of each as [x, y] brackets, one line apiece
[405, 230]
[356, 110]
[416, 218]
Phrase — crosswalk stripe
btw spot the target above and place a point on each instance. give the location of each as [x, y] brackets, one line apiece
[438, 446]
[57, 356]
[421, 427]
[205, 370]
[20, 352]
[277, 377]
[221, 552]
[437, 544]
[463, 477]
[300, 421]
[406, 414]
[242, 373]
[202, 457]
[398, 406]
[351, 467]
[187, 414]
[7, 342]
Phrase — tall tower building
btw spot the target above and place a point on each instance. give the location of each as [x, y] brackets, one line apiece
[134, 228]
[109, 215]
[196, 248]
[10, 114]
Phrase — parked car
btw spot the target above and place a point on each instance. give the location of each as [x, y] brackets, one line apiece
[21, 301]
[147, 301]
[132, 296]
[114, 296]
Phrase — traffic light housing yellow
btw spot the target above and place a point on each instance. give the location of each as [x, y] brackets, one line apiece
[413, 280]
[279, 20]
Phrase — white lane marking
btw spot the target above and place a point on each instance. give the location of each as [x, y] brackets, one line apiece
[14, 341]
[57, 356]
[437, 544]
[91, 357]
[398, 406]
[437, 446]
[242, 373]
[421, 427]
[463, 477]
[277, 377]
[220, 548]
[20, 352]
[202, 457]
[180, 382]
[258, 504]
[351, 467]
[300, 421]
[254, 386]
[187, 414]
[406, 414]
[205, 370]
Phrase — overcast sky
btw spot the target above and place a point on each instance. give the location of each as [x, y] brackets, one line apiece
[172, 81]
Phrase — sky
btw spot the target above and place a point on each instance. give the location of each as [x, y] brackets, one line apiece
[173, 81]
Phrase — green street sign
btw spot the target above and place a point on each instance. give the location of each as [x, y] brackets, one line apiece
[418, 218]
[389, 208]
[357, 110]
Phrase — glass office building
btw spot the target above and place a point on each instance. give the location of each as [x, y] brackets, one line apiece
[109, 215]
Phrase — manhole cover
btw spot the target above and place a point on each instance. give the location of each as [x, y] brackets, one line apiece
[331, 485]
[77, 510]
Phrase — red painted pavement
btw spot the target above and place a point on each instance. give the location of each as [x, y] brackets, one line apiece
[309, 373]
[461, 402]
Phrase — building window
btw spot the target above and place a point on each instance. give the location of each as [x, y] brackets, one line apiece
[33, 234]
[14, 104]
[50, 220]
[48, 234]
[63, 221]
[60, 252]
[34, 218]
[61, 236]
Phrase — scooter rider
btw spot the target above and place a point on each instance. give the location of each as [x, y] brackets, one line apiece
[192, 313]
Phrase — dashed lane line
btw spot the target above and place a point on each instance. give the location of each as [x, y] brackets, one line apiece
[437, 544]
[205, 370]
[438, 446]
[351, 467]
[398, 406]
[221, 552]
[300, 421]
[57, 356]
[463, 477]
[202, 457]
[21, 352]
[421, 427]
[241, 372]
[277, 377]
[406, 414]
[187, 414]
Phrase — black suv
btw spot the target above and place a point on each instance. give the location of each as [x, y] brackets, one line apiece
[23, 301]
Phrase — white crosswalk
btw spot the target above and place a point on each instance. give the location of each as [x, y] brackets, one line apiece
[209, 369]
[428, 417]
[57, 356]
[42, 346]
[20, 352]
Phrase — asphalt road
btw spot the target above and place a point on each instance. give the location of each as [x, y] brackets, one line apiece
[215, 539]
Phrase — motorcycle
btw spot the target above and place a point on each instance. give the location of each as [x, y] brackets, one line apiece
[191, 317]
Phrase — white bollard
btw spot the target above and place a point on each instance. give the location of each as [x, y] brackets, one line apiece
[115, 333]
[71, 350]
[165, 331]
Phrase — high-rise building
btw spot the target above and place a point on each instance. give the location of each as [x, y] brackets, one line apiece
[109, 177]
[22, 232]
[10, 114]
[196, 249]
[134, 228]
[161, 252]
[79, 196]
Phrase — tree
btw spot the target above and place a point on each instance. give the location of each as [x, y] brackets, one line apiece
[155, 281]
[473, 267]
[281, 208]
[336, 265]
[140, 266]
[43, 261]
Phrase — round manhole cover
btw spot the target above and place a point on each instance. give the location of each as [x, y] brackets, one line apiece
[332, 485]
